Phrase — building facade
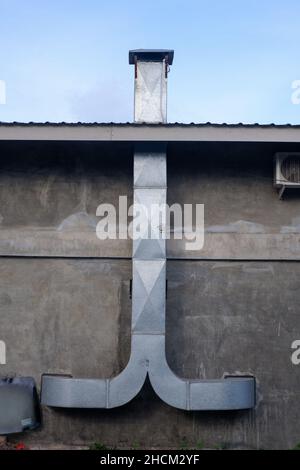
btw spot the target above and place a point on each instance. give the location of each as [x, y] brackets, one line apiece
[223, 319]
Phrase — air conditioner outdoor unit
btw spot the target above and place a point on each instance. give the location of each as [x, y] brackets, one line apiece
[287, 171]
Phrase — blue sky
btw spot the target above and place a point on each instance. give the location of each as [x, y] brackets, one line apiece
[67, 60]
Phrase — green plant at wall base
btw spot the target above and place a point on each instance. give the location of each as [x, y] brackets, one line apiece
[135, 446]
[221, 446]
[98, 446]
[183, 444]
[199, 445]
[297, 446]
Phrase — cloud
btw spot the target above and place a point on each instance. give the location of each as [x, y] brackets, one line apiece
[107, 101]
[2, 92]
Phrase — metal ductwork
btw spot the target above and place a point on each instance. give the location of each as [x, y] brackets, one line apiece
[148, 354]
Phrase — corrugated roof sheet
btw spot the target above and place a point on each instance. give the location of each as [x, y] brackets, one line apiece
[132, 124]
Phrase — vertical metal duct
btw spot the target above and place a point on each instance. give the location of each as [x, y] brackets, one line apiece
[149, 284]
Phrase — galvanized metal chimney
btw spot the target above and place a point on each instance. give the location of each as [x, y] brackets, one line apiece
[151, 67]
[148, 355]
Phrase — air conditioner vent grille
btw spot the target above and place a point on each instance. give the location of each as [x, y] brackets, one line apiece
[290, 169]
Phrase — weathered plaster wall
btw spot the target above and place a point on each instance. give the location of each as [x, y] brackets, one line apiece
[64, 295]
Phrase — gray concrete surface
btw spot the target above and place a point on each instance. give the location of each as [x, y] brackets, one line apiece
[64, 295]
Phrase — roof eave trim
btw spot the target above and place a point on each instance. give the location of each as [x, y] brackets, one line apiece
[143, 132]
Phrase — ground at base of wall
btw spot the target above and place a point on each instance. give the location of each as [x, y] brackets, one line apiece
[6, 445]
[20, 445]
[16, 443]
[23, 446]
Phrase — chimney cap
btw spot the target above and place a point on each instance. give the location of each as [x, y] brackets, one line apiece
[151, 55]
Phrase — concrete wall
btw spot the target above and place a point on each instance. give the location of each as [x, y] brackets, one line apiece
[233, 307]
